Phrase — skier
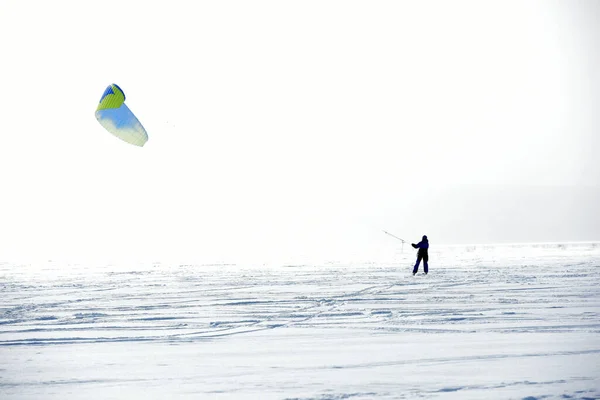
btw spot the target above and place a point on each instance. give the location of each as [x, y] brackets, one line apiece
[423, 245]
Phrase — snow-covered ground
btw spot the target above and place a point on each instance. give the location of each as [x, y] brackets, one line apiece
[488, 322]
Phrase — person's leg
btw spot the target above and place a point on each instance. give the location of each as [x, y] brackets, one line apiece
[416, 268]
[425, 266]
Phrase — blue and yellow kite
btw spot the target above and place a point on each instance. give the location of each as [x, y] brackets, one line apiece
[117, 118]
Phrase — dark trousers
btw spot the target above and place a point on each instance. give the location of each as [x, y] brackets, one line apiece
[425, 258]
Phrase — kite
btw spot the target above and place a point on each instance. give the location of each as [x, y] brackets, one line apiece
[114, 115]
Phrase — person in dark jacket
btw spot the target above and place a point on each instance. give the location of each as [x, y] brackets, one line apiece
[423, 246]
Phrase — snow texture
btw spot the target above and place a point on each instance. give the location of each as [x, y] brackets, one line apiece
[488, 322]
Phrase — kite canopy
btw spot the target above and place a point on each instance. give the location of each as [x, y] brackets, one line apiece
[117, 118]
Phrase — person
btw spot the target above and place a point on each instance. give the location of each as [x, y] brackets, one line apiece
[423, 246]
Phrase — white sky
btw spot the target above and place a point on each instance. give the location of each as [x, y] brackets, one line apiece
[281, 128]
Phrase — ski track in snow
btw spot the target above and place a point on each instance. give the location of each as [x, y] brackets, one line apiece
[481, 310]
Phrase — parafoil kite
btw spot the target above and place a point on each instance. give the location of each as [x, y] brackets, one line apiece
[117, 118]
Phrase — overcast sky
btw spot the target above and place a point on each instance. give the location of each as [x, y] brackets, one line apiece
[281, 128]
